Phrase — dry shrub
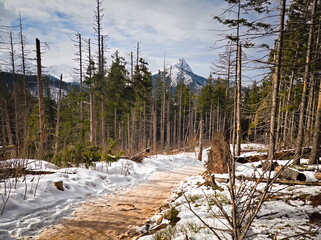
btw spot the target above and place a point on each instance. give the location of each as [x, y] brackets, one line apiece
[219, 156]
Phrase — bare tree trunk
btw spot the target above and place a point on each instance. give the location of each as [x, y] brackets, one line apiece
[128, 133]
[310, 109]
[200, 153]
[3, 124]
[276, 83]
[307, 72]
[286, 120]
[315, 151]
[168, 124]
[175, 129]
[58, 116]
[7, 121]
[134, 132]
[15, 95]
[81, 87]
[154, 127]
[41, 150]
[179, 125]
[102, 123]
[92, 118]
[238, 101]
[26, 103]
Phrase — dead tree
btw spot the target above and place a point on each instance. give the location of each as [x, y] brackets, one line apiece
[42, 134]
[238, 100]
[58, 116]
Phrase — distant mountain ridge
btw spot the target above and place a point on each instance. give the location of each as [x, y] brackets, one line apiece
[181, 71]
[31, 82]
[67, 72]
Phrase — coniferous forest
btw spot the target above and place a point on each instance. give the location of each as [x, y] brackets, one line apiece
[120, 109]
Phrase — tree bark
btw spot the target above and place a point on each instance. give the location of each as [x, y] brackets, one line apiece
[276, 79]
[316, 141]
[200, 153]
[41, 150]
[58, 116]
[238, 101]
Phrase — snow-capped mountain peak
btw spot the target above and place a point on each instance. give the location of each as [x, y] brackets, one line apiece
[183, 65]
[181, 71]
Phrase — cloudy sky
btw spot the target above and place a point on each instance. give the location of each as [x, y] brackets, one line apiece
[176, 28]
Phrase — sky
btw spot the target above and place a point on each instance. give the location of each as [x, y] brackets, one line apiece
[171, 28]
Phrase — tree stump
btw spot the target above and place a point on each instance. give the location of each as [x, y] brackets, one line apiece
[59, 185]
[219, 156]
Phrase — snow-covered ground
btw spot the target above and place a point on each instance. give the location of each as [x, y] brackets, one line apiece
[285, 214]
[34, 202]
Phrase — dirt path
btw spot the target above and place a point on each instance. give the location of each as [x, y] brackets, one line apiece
[116, 216]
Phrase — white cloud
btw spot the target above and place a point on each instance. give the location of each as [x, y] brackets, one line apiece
[179, 28]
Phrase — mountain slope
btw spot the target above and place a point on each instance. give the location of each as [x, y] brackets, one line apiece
[181, 71]
[31, 82]
[66, 71]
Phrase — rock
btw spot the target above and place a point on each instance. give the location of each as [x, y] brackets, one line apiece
[159, 220]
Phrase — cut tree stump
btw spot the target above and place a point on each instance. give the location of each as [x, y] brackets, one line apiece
[290, 174]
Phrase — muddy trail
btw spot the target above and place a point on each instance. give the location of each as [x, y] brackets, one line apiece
[117, 216]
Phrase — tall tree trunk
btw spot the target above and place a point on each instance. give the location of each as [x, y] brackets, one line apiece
[154, 111]
[316, 141]
[102, 123]
[58, 116]
[92, 118]
[26, 105]
[238, 101]
[41, 150]
[200, 153]
[81, 86]
[276, 82]
[286, 120]
[168, 124]
[15, 96]
[306, 76]
[128, 133]
[179, 125]
[7, 121]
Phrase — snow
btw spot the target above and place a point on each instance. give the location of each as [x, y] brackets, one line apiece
[286, 215]
[43, 204]
[182, 71]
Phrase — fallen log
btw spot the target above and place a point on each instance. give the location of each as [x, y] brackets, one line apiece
[19, 171]
[139, 157]
[279, 181]
[318, 175]
[290, 174]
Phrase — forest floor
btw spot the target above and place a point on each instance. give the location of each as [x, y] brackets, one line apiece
[117, 216]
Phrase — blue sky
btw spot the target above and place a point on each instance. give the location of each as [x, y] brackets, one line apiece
[176, 28]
